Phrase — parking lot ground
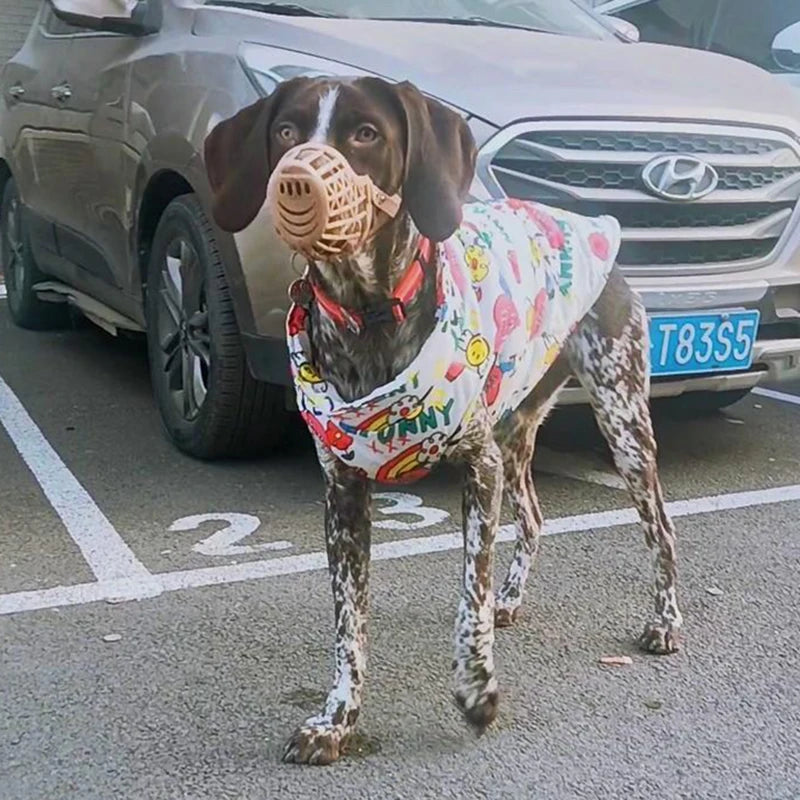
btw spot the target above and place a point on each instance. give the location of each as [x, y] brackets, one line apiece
[228, 645]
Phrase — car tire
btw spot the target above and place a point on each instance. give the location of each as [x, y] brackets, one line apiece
[210, 405]
[701, 404]
[20, 271]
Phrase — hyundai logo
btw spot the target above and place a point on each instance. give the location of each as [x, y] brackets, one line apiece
[679, 177]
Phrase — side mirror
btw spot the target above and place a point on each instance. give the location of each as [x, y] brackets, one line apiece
[786, 48]
[624, 28]
[131, 17]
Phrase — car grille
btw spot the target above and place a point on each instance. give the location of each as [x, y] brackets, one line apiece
[596, 168]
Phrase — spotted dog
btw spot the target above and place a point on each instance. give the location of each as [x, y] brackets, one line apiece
[347, 340]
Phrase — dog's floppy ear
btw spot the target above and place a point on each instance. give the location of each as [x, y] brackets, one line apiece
[237, 161]
[440, 163]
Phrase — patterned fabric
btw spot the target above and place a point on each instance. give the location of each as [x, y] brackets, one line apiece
[513, 282]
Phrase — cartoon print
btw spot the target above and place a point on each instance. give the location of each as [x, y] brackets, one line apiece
[414, 462]
[506, 319]
[535, 314]
[599, 245]
[477, 263]
[333, 437]
[454, 371]
[549, 285]
[431, 448]
[308, 373]
[565, 271]
[553, 349]
[494, 379]
[477, 350]
[537, 254]
[407, 407]
[451, 255]
[536, 284]
[544, 221]
[548, 226]
[485, 238]
[403, 468]
[513, 262]
[438, 398]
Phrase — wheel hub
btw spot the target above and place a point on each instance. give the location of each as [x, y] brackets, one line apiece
[183, 328]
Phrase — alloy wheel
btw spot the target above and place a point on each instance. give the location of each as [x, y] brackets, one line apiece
[13, 255]
[183, 331]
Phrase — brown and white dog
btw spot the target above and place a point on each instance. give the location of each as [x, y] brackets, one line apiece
[425, 152]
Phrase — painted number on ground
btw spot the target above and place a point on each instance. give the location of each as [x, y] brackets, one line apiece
[225, 542]
[410, 504]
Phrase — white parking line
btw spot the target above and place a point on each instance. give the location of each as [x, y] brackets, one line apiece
[783, 397]
[139, 588]
[107, 555]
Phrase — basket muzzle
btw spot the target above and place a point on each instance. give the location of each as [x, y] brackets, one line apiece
[321, 207]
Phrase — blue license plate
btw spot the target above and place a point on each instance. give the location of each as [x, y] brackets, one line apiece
[717, 341]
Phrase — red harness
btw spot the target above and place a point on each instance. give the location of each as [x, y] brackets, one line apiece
[393, 308]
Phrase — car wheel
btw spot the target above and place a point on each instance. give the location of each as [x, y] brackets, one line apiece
[701, 404]
[210, 404]
[20, 271]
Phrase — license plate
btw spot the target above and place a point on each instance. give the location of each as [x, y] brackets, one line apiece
[719, 341]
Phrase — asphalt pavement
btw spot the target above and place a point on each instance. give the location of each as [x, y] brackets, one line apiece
[165, 623]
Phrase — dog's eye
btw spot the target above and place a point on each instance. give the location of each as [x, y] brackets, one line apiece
[366, 134]
[287, 132]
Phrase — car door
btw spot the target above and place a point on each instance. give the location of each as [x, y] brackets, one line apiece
[98, 236]
[75, 189]
[29, 126]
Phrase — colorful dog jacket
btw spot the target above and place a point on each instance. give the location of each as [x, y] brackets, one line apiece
[514, 280]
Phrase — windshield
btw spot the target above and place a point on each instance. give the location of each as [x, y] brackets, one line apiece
[550, 16]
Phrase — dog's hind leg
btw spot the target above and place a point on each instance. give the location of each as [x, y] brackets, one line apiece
[609, 354]
[473, 665]
[517, 439]
[347, 537]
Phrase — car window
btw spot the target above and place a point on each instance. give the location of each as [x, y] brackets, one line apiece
[57, 27]
[551, 16]
[729, 27]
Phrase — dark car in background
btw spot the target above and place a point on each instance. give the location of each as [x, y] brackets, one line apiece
[105, 198]
[764, 32]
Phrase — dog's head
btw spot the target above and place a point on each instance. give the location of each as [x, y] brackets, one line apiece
[406, 143]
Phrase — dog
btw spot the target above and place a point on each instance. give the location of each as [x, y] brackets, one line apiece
[424, 152]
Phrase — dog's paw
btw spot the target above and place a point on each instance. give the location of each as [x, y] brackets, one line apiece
[481, 712]
[313, 744]
[660, 637]
[506, 617]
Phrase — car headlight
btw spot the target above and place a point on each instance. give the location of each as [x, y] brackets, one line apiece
[268, 66]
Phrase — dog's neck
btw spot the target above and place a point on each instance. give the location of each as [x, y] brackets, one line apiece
[355, 282]
[356, 363]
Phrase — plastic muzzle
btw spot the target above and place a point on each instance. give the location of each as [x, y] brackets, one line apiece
[321, 207]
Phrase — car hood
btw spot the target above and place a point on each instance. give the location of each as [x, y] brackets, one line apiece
[502, 75]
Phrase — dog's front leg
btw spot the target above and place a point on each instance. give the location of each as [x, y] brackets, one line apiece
[347, 536]
[475, 682]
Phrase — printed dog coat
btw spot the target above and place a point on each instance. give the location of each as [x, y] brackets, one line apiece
[514, 280]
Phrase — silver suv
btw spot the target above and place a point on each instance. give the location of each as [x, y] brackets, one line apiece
[105, 200]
